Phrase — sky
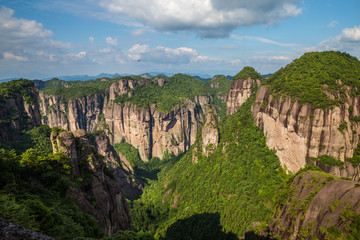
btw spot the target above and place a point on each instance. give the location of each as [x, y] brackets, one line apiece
[43, 38]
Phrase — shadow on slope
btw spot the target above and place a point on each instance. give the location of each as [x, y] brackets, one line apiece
[199, 226]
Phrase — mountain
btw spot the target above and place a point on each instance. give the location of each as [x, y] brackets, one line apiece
[155, 115]
[141, 157]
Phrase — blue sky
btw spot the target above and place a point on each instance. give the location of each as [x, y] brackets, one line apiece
[41, 38]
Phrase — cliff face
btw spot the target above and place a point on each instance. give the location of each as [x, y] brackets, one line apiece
[297, 132]
[17, 114]
[319, 205]
[100, 196]
[149, 130]
[239, 92]
[209, 137]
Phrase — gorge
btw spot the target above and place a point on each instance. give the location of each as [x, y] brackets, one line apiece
[273, 157]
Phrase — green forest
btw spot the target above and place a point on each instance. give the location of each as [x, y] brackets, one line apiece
[218, 196]
[308, 77]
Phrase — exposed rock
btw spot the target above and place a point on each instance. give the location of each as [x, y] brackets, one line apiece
[16, 114]
[10, 231]
[107, 204]
[317, 202]
[160, 81]
[210, 134]
[240, 91]
[298, 132]
[149, 130]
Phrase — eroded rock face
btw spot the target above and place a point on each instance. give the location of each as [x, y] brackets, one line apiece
[210, 134]
[317, 202]
[240, 91]
[107, 205]
[149, 130]
[16, 114]
[298, 132]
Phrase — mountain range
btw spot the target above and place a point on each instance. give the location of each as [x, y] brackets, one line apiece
[175, 157]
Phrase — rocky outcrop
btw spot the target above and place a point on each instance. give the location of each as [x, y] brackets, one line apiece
[319, 206]
[100, 196]
[210, 133]
[18, 113]
[11, 231]
[240, 91]
[149, 130]
[297, 132]
[209, 138]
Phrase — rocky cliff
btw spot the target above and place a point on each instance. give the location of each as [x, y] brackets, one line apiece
[151, 131]
[209, 137]
[239, 92]
[99, 194]
[19, 109]
[298, 132]
[319, 206]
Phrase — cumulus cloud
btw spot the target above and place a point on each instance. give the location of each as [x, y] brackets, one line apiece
[209, 18]
[351, 34]
[349, 39]
[17, 28]
[11, 56]
[77, 56]
[161, 54]
[112, 41]
[91, 39]
[24, 40]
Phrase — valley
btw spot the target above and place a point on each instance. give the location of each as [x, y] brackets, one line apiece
[141, 157]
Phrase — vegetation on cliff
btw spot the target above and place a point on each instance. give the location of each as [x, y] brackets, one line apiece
[308, 77]
[76, 89]
[33, 194]
[175, 90]
[236, 183]
[247, 72]
[16, 88]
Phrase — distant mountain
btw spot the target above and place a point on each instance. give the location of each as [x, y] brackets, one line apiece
[85, 77]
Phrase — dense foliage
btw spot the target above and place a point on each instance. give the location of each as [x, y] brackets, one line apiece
[76, 89]
[144, 171]
[238, 182]
[16, 88]
[309, 76]
[33, 194]
[247, 72]
[175, 90]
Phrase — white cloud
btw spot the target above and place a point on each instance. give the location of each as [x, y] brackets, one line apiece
[349, 39]
[161, 54]
[351, 34]
[264, 40]
[46, 56]
[17, 28]
[11, 56]
[77, 56]
[112, 41]
[24, 40]
[209, 18]
[91, 39]
[332, 24]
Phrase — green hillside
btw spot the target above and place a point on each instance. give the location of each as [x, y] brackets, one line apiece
[175, 90]
[235, 186]
[247, 72]
[306, 78]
